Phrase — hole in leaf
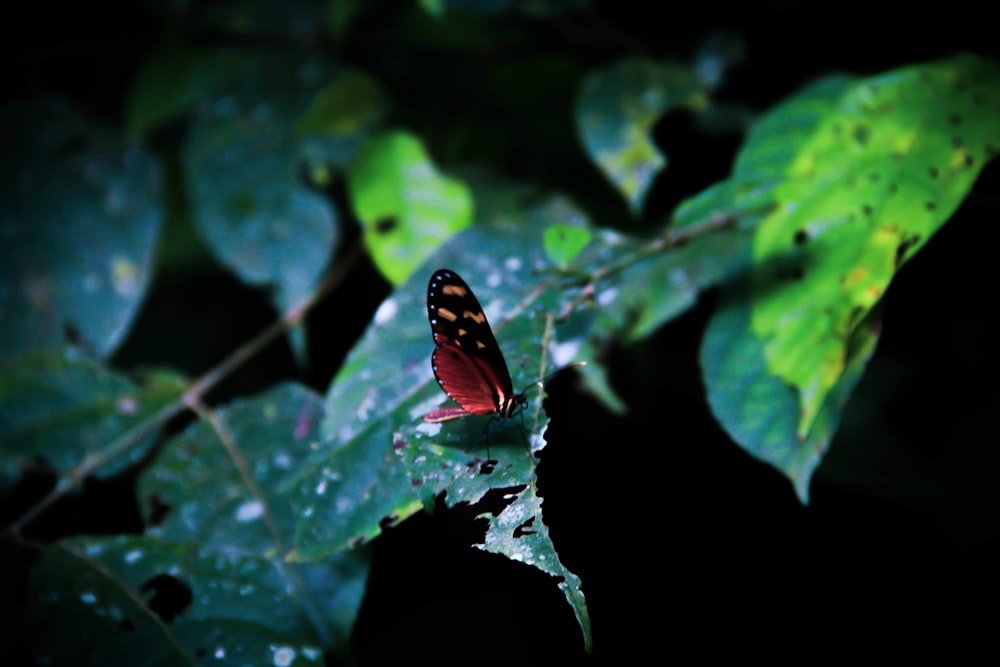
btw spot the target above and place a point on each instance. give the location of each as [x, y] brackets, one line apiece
[158, 510]
[525, 529]
[496, 501]
[904, 248]
[166, 596]
[72, 333]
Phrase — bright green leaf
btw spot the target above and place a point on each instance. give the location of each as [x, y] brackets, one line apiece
[881, 170]
[81, 221]
[858, 175]
[564, 242]
[406, 207]
[616, 112]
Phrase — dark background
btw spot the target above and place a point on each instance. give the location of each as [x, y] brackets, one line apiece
[685, 545]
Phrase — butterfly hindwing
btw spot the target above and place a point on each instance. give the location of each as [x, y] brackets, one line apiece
[467, 361]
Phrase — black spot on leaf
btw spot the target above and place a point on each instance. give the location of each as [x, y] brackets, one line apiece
[386, 224]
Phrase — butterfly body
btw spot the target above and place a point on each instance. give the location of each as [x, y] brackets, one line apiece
[467, 361]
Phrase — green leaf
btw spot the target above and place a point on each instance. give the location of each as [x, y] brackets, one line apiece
[60, 408]
[882, 168]
[519, 534]
[406, 207]
[81, 220]
[379, 462]
[174, 82]
[218, 551]
[350, 104]
[615, 114]
[757, 409]
[658, 282]
[564, 242]
[234, 607]
[300, 22]
[242, 160]
[859, 175]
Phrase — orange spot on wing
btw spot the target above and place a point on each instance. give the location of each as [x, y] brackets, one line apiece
[447, 314]
[455, 290]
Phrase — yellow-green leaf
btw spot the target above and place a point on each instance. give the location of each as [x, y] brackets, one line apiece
[884, 166]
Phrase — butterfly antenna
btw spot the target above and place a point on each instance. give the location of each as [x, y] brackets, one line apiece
[541, 383]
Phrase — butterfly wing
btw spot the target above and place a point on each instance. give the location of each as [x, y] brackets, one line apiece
[467, 361]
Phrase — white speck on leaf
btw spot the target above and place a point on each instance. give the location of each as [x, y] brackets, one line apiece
[249, 511]
[283, 656]
[606, 297]
[125, 276]
[386, 312]
[564, 353]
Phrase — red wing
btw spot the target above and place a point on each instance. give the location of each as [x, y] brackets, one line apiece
[470, 381]
[444, 414]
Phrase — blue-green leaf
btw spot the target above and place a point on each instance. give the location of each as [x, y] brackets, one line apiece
[81, 218]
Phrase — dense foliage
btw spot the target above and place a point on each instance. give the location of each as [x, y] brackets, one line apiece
[745, 292]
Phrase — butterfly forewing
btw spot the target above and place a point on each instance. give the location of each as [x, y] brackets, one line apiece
[467, 361]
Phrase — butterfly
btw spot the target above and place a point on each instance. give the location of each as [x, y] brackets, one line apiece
[467, 361]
